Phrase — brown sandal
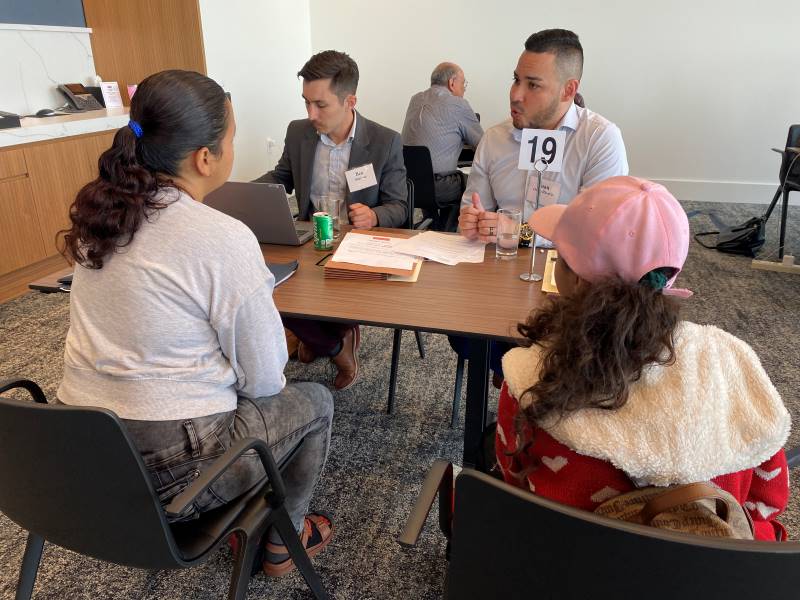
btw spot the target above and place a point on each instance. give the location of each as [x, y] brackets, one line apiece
[317, 533]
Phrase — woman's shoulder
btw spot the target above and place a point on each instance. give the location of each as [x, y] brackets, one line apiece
[205, 225]
[521, 368]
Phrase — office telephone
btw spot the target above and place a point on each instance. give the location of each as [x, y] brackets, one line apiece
[79, 97]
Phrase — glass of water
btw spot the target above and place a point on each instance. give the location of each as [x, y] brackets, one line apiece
[508, 224]
[333, 206]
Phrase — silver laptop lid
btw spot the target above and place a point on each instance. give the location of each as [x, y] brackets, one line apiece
[263, 207]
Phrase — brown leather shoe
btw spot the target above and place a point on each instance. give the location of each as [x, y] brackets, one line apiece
[347, 360]
[305, 354]
[291, 343]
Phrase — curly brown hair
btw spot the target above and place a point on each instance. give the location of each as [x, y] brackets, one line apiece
[179, 112]
[596, 341]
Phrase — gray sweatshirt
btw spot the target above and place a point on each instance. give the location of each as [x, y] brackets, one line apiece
[176, 324]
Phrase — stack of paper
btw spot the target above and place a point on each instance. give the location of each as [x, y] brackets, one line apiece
[447, 248]
[367, 255]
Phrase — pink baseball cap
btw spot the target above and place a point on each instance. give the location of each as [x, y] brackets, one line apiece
[623, 226]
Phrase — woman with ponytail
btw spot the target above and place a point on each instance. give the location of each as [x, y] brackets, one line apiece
[612, 391]
[172, 322]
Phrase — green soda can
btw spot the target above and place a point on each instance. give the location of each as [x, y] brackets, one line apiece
[323, 231]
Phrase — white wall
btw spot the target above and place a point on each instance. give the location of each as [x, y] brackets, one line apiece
[254, 50]
[35, 59]
[701, 90]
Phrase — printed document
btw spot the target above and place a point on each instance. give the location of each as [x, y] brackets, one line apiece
[372, 251]
[446, 248]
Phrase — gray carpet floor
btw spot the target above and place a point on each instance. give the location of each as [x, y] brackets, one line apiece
[377, 462]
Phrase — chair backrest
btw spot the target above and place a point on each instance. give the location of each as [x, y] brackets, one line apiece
[411, 207]
[790, 158]
[419, 170]
[509, 543]
[73, 476]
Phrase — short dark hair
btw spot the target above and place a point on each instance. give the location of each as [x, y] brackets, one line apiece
[565, 45]
[336, 66]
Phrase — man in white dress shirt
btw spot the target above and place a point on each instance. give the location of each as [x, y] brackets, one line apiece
[542, 96]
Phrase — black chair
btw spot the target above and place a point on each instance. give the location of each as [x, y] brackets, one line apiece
[398, 333]
[788, 178]
[419, 169]
[509, 543]
[72, 476]
[420, 155]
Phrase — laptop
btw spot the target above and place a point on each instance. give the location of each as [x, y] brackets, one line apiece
[264, 208]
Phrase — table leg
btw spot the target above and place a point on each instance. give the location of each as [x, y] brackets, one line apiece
[477, 399]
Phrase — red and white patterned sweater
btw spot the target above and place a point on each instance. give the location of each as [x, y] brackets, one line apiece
[713, 415]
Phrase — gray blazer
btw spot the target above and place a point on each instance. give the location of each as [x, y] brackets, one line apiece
[372, 143]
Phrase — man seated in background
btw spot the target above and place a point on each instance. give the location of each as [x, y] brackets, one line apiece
[542, 96]
[318, 151]
[441, 119]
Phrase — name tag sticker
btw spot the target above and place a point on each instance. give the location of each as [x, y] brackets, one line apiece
[360, 178]
[551, 191]
[545, 145]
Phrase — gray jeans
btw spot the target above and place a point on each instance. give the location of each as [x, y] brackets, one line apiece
[175, 452]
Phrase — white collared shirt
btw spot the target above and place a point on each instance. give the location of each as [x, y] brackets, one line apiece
[593, 151]
[330, 162]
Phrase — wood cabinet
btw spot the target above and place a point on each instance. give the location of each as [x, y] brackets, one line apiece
[20, 237]
[38, 183]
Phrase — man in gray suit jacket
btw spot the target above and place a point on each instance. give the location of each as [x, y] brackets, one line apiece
[317, 153]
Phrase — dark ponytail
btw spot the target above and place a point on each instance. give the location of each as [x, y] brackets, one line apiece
[595, 343]
[178, 112]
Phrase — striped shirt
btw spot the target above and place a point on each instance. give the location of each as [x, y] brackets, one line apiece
[330, 162]
[444, 123]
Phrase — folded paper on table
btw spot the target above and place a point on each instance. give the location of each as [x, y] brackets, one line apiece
[445, 248]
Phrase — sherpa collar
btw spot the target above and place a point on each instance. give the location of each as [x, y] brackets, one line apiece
[713, 412]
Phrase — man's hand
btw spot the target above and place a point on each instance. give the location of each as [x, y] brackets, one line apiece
[362, 216]
[476, 223]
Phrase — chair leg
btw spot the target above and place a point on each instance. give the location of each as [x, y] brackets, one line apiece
[784, 209]
[298, 554]
[457, 392]
[420, 344]
[30, 566]
[393, 373]
[243, 566]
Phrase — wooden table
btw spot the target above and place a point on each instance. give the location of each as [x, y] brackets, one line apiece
[482, 301]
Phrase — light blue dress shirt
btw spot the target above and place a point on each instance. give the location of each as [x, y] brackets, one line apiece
[444, 123]
[593, 151]
[330, 162]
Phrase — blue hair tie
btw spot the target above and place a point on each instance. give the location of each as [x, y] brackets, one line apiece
[136, 128]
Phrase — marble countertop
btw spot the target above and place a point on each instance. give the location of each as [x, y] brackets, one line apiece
[52, 128]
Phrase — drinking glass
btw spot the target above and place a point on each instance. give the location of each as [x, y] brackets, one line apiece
[333, 206]
[508, 224]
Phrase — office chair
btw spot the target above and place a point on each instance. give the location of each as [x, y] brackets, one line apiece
[419, 169]
[508, 543]
[72, 476]
[788, 180]
[421, 194]
[398, 333]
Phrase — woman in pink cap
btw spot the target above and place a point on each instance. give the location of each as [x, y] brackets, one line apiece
[613, 391]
